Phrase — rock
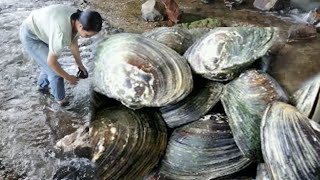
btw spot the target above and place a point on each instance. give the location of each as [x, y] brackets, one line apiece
[77, 143]
[206, 1]
[150, 11]
[301, 32]
[305, 5]
[313, 18]
[267, 5]
[80, 168]
[295, 63]
[232, 3]
[203, 23]
[172, 11]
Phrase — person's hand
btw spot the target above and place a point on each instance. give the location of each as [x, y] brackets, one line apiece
[73, 80]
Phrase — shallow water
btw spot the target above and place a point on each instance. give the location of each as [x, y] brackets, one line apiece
[31, 123]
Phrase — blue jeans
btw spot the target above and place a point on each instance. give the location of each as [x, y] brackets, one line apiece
[39, 50]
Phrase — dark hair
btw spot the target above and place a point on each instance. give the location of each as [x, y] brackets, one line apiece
[90, 20]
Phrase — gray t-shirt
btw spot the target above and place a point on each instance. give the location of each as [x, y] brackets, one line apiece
[52, 25]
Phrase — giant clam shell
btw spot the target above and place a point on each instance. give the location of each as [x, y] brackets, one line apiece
[307, 99]
[245, 100]
[176, 38]
[290, 145]
[195, 105]
[127, 144]
[203, 149]
[225, 52]
[141, 72]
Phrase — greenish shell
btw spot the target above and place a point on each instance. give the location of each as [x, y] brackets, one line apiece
[223, 53]
[244, 100]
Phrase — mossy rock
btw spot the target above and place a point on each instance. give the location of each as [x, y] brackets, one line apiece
[133, 9]
[203, 23]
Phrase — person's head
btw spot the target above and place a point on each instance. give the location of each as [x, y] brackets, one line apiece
[87, 23]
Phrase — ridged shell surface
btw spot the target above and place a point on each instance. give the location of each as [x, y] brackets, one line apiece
[307, 99]
[223, 53]
[127, 144]
[141, 72]
[290, 145]
[202, 150]
[203, 97]
[244, 100]
[176, 38]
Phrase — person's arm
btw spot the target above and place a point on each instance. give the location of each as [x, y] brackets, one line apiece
[74, 48]
[53, 63]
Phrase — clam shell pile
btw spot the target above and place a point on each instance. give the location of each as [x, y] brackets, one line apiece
[204, 114]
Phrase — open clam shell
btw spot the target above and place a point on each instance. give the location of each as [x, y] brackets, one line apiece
[127, 144]
[203, 149]
[139, 71]
[290, 145]
[223, 53]
[176, 38]
[195, 105]
[244, 100]
[307, 99]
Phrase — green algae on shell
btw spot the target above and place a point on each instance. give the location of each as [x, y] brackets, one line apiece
[203, 149]
[223, 53]
[140, 72]
[290, 144]
[244, 100]
[127, 144]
